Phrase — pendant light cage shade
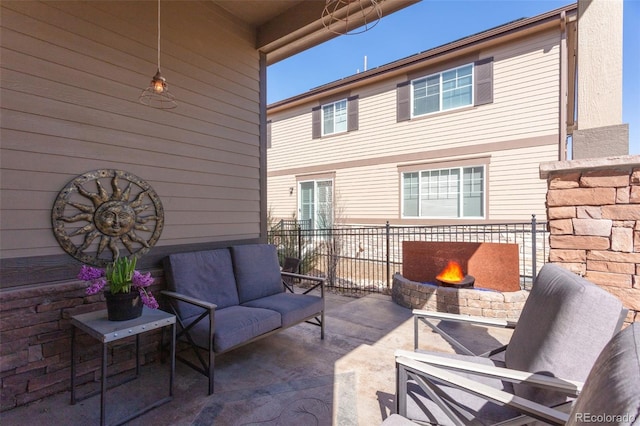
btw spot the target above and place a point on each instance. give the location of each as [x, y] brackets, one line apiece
[339, 16]
[157, 95]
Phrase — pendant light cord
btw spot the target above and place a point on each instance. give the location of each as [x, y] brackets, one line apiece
[158, 35]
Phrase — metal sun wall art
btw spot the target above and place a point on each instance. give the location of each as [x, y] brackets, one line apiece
[88, 219]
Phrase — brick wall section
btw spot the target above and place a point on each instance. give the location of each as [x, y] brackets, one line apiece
[593, 209]
[35, 342]
[482, 303]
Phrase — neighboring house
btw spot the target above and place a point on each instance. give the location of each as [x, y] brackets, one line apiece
[454, 134]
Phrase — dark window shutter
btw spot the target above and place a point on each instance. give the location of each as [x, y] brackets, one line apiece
[316, 116]
[352, 110]
[484, 81]
[403, 98]
[269, 134]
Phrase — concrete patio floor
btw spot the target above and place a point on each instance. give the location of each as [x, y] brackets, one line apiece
[292, 378]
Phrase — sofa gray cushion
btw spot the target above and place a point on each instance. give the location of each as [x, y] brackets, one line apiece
[613, 386]
[422, 408]
[235, 325]
[206, 275]
[257, 271]
[564, 325]
[292, 307]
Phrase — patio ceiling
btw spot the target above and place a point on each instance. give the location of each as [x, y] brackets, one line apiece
[286, 27]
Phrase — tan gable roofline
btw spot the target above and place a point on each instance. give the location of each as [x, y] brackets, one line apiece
[501, 34]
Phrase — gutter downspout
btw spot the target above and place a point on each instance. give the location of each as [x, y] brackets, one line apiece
[564, 76]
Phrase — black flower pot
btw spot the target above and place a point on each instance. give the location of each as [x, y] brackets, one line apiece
[123, 306]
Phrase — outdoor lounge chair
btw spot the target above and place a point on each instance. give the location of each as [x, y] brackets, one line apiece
[611, 393]
[565, 323]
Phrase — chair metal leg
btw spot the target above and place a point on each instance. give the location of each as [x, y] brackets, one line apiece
[211, 354]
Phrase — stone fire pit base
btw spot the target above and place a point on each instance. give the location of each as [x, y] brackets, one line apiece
[466, 301]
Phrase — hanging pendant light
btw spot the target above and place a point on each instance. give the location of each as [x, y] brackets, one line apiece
[339, 16]
[157, 95]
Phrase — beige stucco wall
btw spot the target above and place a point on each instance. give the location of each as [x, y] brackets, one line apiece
[599, 63]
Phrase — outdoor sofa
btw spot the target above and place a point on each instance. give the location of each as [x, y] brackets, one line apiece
[226, 298]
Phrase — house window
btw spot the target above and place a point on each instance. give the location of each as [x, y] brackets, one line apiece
[316, 203]
[444, 193]
[334, 117]
[443, 91]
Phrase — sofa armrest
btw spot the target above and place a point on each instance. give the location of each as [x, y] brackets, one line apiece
[188, 299]
[318, 280]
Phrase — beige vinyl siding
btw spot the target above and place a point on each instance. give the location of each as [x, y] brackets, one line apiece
[525, 105]
[525, 110]
[281, 205]
[71, 76]
[516, 190]
[362, 188]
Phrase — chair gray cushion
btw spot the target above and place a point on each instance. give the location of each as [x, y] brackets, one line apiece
[257, 271]
[206, 275]
[613, 386]
[292, 307]
[564, 325]
[235, 325]
[421, 408]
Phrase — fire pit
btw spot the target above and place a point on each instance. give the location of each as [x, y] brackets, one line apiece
[494, 266]
[452, 276]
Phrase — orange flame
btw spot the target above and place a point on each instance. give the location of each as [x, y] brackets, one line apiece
[451, 273]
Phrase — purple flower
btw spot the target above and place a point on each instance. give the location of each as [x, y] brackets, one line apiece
[89, 273]
[148, 300]
[96, 285]
[142, 280]
[119, 278]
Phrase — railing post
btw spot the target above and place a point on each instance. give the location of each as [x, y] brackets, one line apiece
[534, 250]
[388, 255]
[299, 229]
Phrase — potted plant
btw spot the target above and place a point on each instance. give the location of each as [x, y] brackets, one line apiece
[127, 288]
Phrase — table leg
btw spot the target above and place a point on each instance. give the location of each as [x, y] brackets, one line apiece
[137, 355]
[103, 392]
[173, 358]
[73, 365]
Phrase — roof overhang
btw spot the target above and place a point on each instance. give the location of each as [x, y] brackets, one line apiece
[286, 27]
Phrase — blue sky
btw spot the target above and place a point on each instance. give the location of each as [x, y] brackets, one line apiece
[432, 23]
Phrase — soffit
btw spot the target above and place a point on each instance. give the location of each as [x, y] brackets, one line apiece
[286, 27]
[257, 12]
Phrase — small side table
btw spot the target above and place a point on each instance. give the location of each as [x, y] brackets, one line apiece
[99, 327]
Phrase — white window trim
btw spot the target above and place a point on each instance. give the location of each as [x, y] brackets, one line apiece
[460, 193]
[440, 110]
[346, 109]
[315, 201]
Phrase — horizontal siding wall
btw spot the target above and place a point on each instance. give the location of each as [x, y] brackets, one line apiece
[518, 130]
[71, 76]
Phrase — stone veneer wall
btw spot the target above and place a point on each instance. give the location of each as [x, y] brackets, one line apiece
[35, 342]
[467, 301]
[593, 211]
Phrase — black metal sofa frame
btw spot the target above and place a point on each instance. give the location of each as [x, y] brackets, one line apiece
[227, 298]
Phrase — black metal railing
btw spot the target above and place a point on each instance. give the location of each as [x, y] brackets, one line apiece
[362, 259]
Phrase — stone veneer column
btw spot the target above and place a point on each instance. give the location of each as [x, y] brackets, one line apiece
[593, 210]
